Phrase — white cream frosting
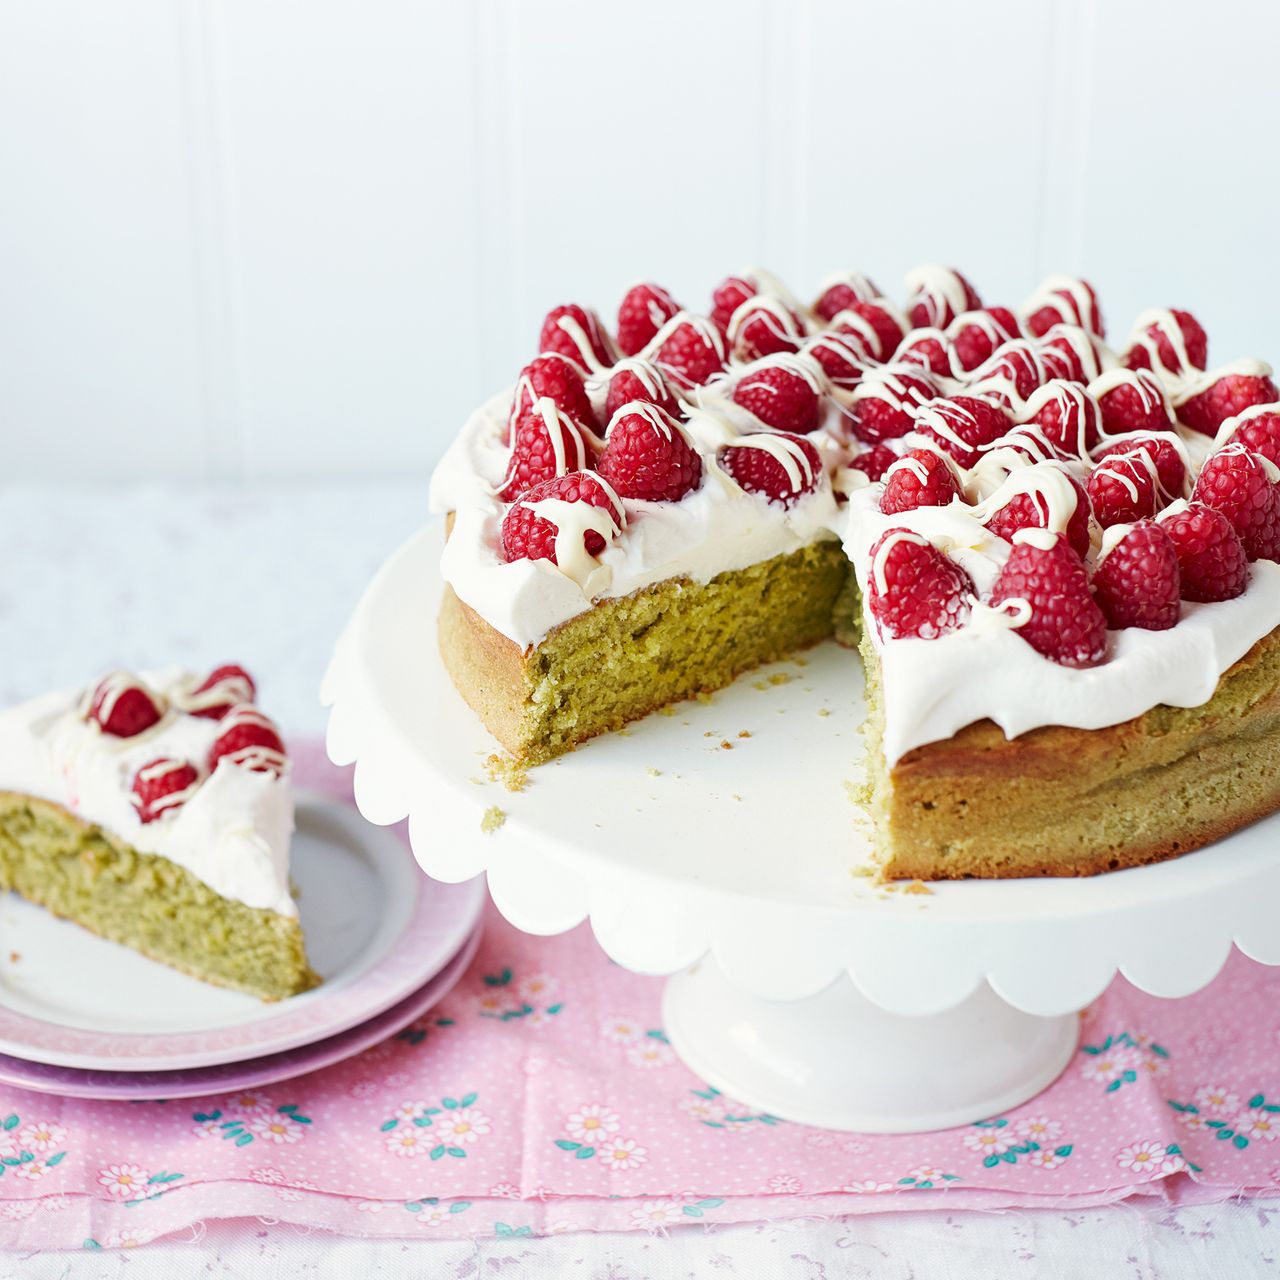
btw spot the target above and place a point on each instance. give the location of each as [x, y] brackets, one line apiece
[232, 833]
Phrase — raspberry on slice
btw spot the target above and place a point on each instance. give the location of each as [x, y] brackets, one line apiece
[249, 740]
[163, 785]
[727, 297]
[875, 461]
[920, 478]
[1166, 339]
[914, 590]
[1012, 373]
[840, 357]
[764, 326]
[1258, 428]
[575, 332]
[1242, 485]
[647, 455]
[557, 377]
[1214, 397]
[1131, 400]
[547, 443]
[886, 401]
[688, 350]
[1137, 582]
[841, 292]
[122, 706]
[1066, 415]
[223, 688]
[568, 539]
[938, 295]
[644, 309]
[635, 379]
[1046, 582]
[876, 327]
[928, 348]
[1045, 496]
[1123, 487]
[1073, 353]
[1063, 300]
[962, 426]
[974, 336]
[781, 466]
[784, 392]
[1212, 561]
[1165, 450]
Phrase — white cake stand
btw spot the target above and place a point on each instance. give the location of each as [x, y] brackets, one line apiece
[731, 861]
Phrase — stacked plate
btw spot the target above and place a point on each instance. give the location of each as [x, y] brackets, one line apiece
[84, 1018]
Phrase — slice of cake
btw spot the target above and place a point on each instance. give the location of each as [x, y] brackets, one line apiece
[156, 811]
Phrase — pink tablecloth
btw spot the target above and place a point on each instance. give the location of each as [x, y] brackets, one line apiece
[542, 1096]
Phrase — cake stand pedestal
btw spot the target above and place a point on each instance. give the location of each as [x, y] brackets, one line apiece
[718, 844]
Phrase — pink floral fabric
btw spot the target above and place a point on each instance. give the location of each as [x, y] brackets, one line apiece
[542, 1096]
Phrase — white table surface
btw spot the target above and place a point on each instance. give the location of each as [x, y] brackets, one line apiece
[145, 577]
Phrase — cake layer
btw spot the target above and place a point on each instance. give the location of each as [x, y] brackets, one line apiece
[142, 900]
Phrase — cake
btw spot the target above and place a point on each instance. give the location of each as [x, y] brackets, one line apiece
[1058, 561]
[156, 811]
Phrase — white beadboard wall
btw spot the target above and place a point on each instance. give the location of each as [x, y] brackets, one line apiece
[261, 239]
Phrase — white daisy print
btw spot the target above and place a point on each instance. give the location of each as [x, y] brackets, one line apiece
[927, 1173]
[621, 1030]
[656, 1214]
[491, 1002]
[1111, 1063]
[1038, 1129]
[248, 1103]
[410, 1111]
[376, 1206]
[1045, 1159]
[649, 1053]
[124, 1181]
[130, 1238]
[431, 1215]
[867, 1186]
[409, 1142]
[207, 1128]
[1215, 1100]
[990, 1142]
[461, 1127]
[1258, 1125]
[505, 1191]
[271, 1176]
[538, 989]
[277, 1128]
[1142, 1157]
[701, 1108]
[784, 1184]
[592, 1123]
[1193, 1119]
[33, 1170]
[41, 1136]
[620, 1154]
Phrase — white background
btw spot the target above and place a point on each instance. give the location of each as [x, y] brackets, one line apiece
[259, 240]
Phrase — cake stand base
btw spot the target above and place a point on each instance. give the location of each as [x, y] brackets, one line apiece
[839, 1061]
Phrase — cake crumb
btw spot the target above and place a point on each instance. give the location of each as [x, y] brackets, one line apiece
[492, 820]
[505, 769]
[653, 773]
[476, 782]
[668, 710]
[744, 733]
[916, 886]
[703, 696]
[726, 744]
[800, 661]
[863, 870]
[824, 711]
[14, 957]
[736, 796]
[710, 733]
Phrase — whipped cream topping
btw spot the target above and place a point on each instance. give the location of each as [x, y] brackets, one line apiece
[232, 831]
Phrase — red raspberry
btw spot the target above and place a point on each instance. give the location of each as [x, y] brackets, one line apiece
[1211, 558]
[1239, 484]
[1137, 581]
[526, 535]
[727, 297]
[1072, 353]
[962, 425]
[781, 466]
[547, 443]
[842, 292]
[1160, 447]
[1131, 400]
[783, 392]
[929, 349]
[938, 295]
[874, 462]
[764, 326]
[1031, 511]
[688, 350]
[840, 358]
[162, 785]
[1258, 427]
[123, 706]
[874, 326]
[642, 312]
[248, 739]
[975, 335]
[1012, 373]
[1172, 340]
[1063, 621]
[1225, 394]
[1067, 416]
[575, 332]
[1063, 300]
[914, 590]
[920, 478]
[1123, 488]
[222, 689]
[557, 377]
[636, 379]
[647, 455]
[885, 404]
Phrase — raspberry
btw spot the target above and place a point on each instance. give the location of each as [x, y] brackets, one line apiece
[840, 358]
[1073, 353]
[688, 350]
[1162, 448]
[874, 462]
[1259, 428]
[842, 292]
[1242, 486]
[929, 349]
[938, 295]
[557, 377]
[1172, 340]
[727, 297]
[885, 404]
[783, 392]
[123, 706]
[636, 379]
[575, 332]
[222, 689]
[526, 535]
[1131, 400]
[913, 590]
[1211, 558]
[975, 335]
[1137, 581]
[644, 309]
[1031, 510]
[1122, 488]
[547, 443]
[1067, 416]
[248, 739]
[920, 478]
[764, 326]
[648, 456]
[162, 785]
[962, 425]
[1047, 578]
[1223, 394]
[780, 466]
[874, 326]
[1063, 300]
[1011, 374]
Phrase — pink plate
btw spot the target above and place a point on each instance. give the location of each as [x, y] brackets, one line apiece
[376, 930]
